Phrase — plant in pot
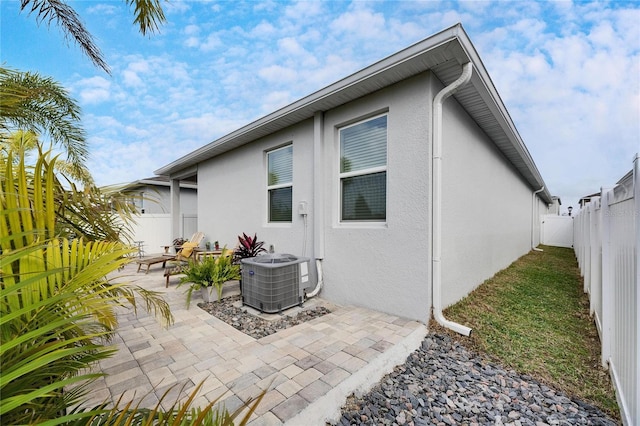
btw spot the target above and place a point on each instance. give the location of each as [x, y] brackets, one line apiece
[177, 243]
[210, 274]
[248, 247]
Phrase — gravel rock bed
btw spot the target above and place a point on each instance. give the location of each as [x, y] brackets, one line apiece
[256, 327]
[442, 383]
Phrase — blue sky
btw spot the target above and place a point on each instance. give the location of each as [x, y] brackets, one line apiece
[568, 73]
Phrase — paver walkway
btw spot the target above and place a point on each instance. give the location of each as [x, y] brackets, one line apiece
[308, 369]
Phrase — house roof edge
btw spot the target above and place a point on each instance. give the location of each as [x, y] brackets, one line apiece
[458, 46]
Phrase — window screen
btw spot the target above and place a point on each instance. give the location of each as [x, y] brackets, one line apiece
[280, 184]
[363, 170]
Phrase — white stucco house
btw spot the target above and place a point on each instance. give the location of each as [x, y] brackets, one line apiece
[406, 183]
[152, 230]
[152, 195]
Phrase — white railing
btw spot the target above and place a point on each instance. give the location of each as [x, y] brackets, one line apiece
[606, 239]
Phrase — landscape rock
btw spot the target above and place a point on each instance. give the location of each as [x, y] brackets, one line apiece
[457, 387]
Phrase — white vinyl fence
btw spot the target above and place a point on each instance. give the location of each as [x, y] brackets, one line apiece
[153, 231]
[557, 231]
[607, 235]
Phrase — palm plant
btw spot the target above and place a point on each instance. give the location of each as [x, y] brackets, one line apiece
[56, 302]
[32, 105]
[148, 17]
[57, 311]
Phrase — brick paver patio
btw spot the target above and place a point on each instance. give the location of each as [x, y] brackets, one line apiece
[308, 370]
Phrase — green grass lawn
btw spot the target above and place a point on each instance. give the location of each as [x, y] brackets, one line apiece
[534, 317]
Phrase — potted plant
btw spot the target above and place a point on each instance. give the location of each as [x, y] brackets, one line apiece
[248, 247]
[210, 274]
[177, 243]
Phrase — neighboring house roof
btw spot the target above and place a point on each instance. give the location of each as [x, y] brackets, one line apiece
[587, 198]
[159, 181]
[443, 53]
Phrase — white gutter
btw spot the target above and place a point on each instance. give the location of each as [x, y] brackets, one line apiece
[533, 218]
[436, 201]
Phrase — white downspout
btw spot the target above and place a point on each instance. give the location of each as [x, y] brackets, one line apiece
[437, 200]
[533, 218]
[318, 199]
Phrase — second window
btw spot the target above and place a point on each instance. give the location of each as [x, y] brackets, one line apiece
[363, 171]
[280, 184]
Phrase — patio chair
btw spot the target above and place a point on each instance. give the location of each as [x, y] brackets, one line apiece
[195, 238]
[177, 264]
[190, 245]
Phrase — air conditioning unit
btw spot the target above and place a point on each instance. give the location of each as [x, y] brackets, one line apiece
[274, 282]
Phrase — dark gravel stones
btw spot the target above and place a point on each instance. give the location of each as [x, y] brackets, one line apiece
[442, 383]
[256, 327]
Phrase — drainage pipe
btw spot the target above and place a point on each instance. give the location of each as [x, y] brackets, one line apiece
[320, 281]
[318, 199]
[533, 218]
[436, 201]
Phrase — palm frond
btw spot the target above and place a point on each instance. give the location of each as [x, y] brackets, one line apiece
[148, 15]
[66, 17]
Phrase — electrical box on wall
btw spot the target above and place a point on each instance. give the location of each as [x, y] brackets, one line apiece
[302, 208]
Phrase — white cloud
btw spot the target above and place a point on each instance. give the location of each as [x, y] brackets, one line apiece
[290, 46]
[192, 42]
[102, 9]
[177, 6]
[275, 100]
[93, 90]
[192, 29]
[211, 43]
[131, 79]
[303, 10]
[361, 21]
[276, 74]
[263, 29]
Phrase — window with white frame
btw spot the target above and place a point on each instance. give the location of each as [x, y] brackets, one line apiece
[363, 171]
[280, 183]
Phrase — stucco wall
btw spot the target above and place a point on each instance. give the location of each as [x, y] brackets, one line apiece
[384, 266]
[486, 207]
[233, 193]
[158, 200]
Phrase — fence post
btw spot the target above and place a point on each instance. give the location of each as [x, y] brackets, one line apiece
[607, 282]
[588, 230]
[578, 238]
[595, 255]
[636, 195]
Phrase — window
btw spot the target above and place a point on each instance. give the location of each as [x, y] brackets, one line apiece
[280, 183]
[363, 171]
